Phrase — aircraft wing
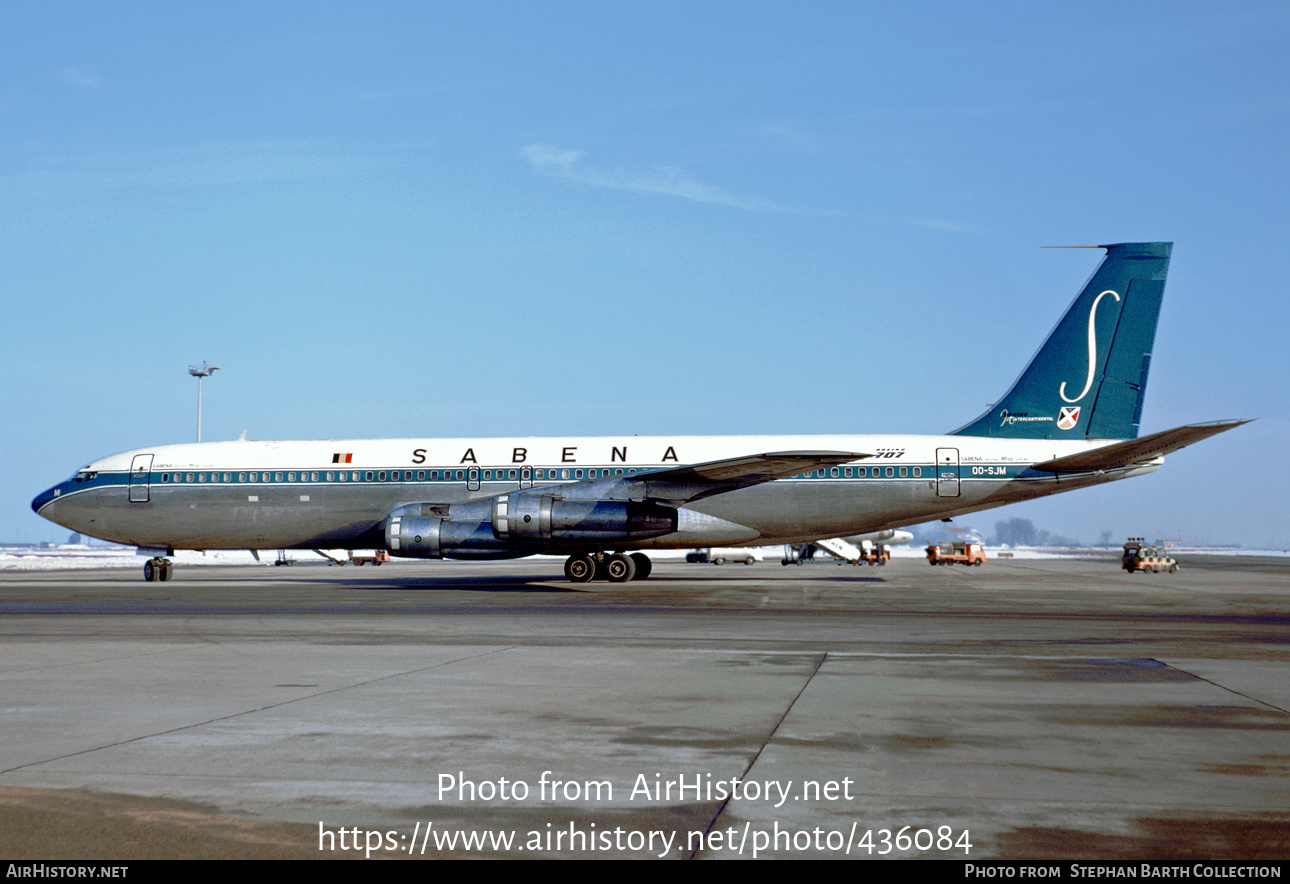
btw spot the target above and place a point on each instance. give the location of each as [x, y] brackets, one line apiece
[754, 469]
[694, 481]
[1123, 454]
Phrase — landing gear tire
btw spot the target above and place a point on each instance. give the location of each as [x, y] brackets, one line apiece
[580, 568]
[643, 565]
[619, 568]
[156, 569]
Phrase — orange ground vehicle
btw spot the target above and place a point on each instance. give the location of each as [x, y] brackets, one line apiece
[1140, 557]
[964, 552]
[878, 555]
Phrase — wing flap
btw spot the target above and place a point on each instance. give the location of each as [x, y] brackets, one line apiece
[1123, 454]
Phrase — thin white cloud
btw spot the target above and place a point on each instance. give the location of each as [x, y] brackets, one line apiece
[233, 163]
[77, 77]
[789, 133]
[663, 180]
[949, 226]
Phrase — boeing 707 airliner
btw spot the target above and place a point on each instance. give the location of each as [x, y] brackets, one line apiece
[1069, 421]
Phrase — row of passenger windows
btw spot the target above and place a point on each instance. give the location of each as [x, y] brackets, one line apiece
[477, 474]
[862, 472]
[393, 475]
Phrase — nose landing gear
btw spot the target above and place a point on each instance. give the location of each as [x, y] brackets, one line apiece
[157, 568]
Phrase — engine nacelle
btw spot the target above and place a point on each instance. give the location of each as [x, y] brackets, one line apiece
[522, 524]
[543, 517]
[415, 536]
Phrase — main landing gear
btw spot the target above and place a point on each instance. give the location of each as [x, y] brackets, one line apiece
[614, 567]
[157, 568]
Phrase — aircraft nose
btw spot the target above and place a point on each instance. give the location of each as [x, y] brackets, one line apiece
[45, 497]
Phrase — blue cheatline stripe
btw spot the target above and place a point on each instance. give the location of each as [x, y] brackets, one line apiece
[441, 475]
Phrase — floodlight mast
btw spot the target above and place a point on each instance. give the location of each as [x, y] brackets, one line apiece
[199, 372]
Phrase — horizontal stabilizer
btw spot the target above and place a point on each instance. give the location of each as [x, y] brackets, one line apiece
[1123, 454]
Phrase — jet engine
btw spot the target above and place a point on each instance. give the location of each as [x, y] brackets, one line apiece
[521, 516]
[521, 524]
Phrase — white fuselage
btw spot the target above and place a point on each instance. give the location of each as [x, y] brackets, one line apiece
[335, 494]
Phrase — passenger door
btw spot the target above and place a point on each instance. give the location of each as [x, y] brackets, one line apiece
[140, 475]
[947, 472]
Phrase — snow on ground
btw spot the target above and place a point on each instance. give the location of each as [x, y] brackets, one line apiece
[79, 556]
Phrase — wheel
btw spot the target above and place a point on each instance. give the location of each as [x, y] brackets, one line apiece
[165, 569]
[580, 568]
[149, 571]
[643, 566]
[718, 561]
[1173, 567]
[619, 568]
[748, 561]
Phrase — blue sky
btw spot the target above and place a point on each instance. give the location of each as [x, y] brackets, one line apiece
[419, 219]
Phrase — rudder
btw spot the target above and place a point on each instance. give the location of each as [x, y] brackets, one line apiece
[1089, 377]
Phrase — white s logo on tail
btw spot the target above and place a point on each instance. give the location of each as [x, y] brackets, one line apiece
[1092, 348]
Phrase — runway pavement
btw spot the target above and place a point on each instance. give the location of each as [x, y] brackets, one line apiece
[1024, 709]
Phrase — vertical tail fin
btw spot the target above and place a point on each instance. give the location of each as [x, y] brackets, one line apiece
[1088, 379]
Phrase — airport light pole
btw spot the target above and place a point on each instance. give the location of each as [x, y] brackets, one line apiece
[199, 372]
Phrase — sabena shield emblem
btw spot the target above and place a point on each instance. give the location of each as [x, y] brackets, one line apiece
[1068, 417]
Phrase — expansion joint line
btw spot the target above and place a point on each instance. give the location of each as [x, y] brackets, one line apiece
[760, 749]
[232, 715]
[1223, 687]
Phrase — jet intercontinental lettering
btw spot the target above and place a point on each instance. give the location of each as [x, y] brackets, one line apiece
[604, 502]
[1007, 419]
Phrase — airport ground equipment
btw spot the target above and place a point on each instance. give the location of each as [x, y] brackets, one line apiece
[744, 556]
[878, 555]
[722, 556]
[1140, 557]
[368, 556]
[840, 551]
[960, 552]
[863, 554]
